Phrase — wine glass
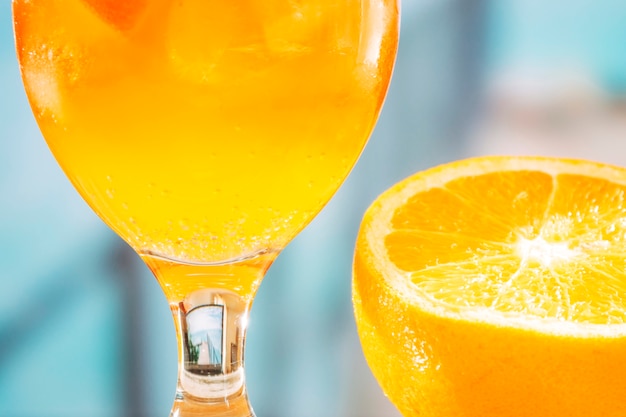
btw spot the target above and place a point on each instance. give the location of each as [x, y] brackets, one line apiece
[207, 134]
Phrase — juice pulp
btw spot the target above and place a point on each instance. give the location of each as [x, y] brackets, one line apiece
[204, 130]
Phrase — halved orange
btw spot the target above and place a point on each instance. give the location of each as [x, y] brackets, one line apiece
[496, 286]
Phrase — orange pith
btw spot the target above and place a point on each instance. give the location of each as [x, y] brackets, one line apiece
[496, 286]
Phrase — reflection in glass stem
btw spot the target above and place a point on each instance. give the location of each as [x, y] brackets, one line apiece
[213, 328]
[204, 340]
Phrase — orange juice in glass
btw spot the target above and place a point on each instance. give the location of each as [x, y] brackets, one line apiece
[207, 134]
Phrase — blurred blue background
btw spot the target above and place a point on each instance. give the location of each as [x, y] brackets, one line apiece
[84, 328]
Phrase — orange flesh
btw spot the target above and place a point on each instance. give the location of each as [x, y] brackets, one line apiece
[456, 234]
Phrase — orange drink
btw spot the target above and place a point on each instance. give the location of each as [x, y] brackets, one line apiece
[205, 130]
[496, 287]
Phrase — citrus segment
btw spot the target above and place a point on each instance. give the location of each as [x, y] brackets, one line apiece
[496, 286]
[123, 15]
[515, 198]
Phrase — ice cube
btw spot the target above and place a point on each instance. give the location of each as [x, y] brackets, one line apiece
[41, 82]
[302, 25]
[211, 40]
[291, 26]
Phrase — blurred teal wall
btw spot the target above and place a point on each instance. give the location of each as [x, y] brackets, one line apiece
[583, 35]
[60, 313]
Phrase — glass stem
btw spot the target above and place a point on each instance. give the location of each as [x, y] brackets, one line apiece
[211, 326]
[210, 304]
